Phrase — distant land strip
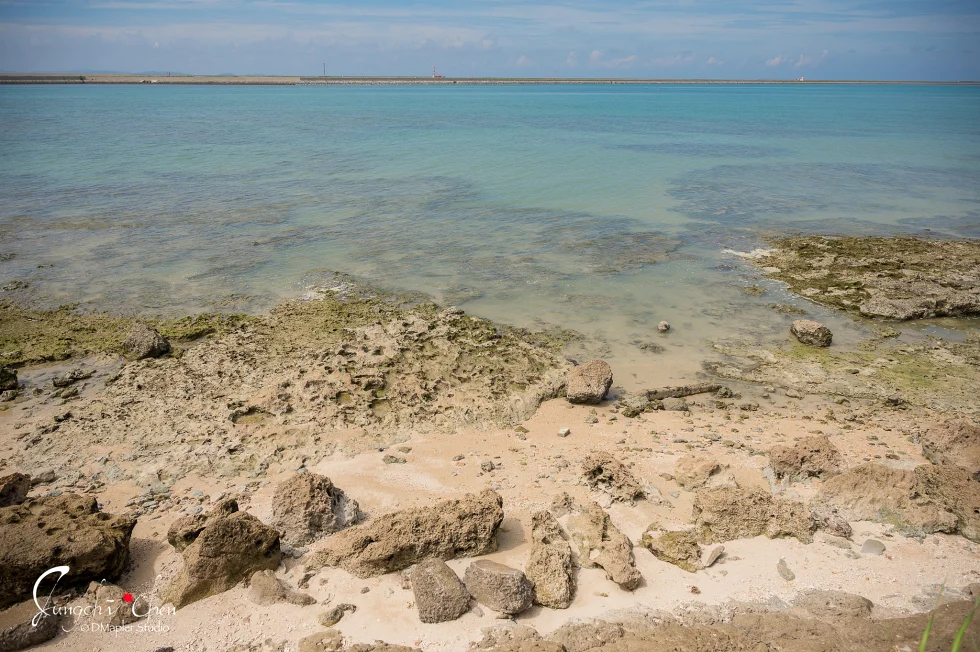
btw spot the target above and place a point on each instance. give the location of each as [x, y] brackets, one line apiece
[332, 80]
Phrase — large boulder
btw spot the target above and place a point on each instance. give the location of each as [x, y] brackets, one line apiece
[549, 564]
[439, 594]
[599, 543]
[144, 341]
[928, 499]
[724, 514]
[605, 473]
[308, 506]
[812, 455]
[502, 588]
[954, 442]
[230, 547]
[27, 634]
[694, 470]
[66, 530]
[8, 379]
[466, 527]
[589, 382]
[811, 333]
[14, 489]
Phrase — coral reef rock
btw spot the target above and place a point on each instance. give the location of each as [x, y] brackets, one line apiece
[465, 527]
[308, 506]
[549, 564]
[504, 589]
[439, 594]
[589, 382]
[68, 529]
[599, 543]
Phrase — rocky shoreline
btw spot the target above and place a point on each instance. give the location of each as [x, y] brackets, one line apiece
[354, 468]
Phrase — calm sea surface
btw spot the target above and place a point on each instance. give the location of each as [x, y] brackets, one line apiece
[604, 208]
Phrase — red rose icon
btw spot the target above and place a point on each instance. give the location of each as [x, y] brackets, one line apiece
[127, 597]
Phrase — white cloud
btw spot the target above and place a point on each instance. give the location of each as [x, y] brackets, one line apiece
[806, 60]
[572, 60]
[596, 56]
[523, 61]
[677, 60]
[776, 61]
[711, 61]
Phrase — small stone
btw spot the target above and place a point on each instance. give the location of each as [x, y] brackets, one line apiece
[332, 617]
[8, 378]
[365, 589]
[713, 556]
[487, 466]
[872, 547]
[784, 571]
[145, 342]
[663, 327]
[393, 459]
[675, 404]
[459, 458]
[811, 333]
[564, 432]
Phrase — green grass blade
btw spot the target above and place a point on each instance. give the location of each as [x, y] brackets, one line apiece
[925, 634]
[961, 632]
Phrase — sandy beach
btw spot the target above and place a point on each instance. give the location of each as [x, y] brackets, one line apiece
[804, 497]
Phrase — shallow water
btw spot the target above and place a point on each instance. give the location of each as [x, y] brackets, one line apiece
[604, 209]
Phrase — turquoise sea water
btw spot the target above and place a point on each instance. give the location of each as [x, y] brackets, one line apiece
[600, 208]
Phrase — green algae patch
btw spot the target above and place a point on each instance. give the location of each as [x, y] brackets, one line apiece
[935, 373]
[896, 278]
[37, 336]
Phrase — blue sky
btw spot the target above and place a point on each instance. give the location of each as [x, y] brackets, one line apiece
[782, 39]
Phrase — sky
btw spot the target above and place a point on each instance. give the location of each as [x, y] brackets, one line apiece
[710, 39]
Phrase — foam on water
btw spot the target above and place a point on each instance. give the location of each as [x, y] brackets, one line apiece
[603, 209]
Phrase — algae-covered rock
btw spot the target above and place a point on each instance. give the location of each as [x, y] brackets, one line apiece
[679, 548]
[811, 333]
[889, 277]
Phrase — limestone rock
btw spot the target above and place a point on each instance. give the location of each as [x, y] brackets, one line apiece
[502, 588]
[605, 473]
[928, 499]
[184, 530]
[588, 383]
[954, 442]
[549, 564]
[833, 606]
[672, 404]
[694, 469]
[811, 333]
[599, 543]
[439, 595]
[230, 547]
[145, 342]
[588, 635]
[68, 529]
[328, 641]
[24, 635]
[633, 405]
[723, 514]
[830, 520]
[308, 506]
[498, 636]
[812, 455]
[14, 489]
[381, 646]
[335, 614]
[8, 379]
[453, 528]
[679, 548]
[264, 589]
[111, 609]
